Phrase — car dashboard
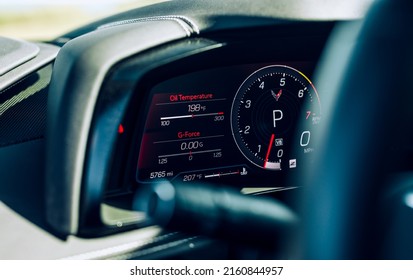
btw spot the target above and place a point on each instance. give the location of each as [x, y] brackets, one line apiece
[228, 100]
[192, 122]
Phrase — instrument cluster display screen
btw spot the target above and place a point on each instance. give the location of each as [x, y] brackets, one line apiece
[240, 125]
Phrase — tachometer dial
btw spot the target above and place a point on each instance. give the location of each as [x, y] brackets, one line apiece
[273, 115]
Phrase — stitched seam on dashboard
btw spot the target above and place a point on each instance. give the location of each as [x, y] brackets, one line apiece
[186, 20]
[187, 24]
[108, 252]
[184, 26]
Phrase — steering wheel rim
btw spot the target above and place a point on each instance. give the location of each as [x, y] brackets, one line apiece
[364, 76]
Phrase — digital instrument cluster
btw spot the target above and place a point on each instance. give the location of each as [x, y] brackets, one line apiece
[245, 124]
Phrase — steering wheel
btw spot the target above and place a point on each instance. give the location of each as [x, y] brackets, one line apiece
[366, 75]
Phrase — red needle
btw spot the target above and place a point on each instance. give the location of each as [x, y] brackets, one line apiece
[269, 150]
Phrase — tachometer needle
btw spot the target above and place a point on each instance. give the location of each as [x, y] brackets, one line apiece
[269, 150]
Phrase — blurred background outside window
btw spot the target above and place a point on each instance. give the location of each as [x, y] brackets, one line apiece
[43, 20]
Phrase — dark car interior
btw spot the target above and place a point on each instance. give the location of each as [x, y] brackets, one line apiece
[212, 130]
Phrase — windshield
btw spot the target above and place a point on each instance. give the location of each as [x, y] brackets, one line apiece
[44, 20]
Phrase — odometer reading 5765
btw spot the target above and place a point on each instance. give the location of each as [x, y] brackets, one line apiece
[273, 116]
